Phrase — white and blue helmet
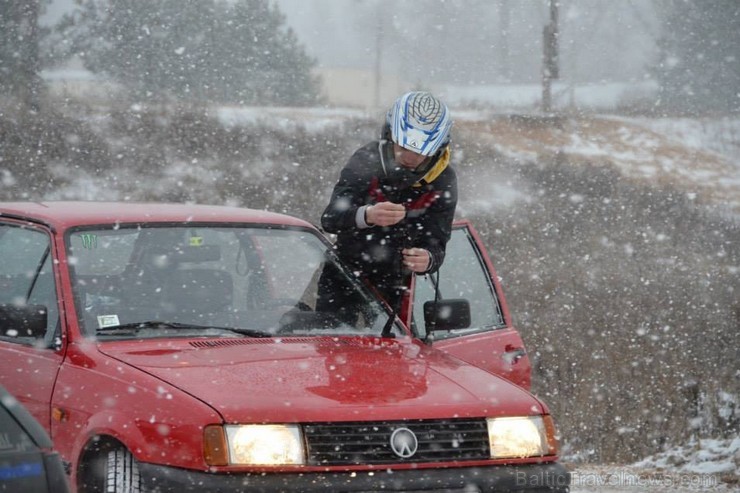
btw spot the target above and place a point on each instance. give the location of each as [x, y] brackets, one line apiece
[420, 122]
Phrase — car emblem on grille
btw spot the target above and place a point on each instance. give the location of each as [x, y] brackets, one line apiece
[404, 443]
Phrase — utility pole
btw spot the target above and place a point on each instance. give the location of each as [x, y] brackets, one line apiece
[504, 28]
[550, 57]
[378, 54]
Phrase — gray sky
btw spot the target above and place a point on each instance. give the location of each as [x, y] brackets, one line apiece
[478, 41]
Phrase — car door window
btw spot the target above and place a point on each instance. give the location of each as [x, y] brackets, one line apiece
[26, 275]
[462, 275]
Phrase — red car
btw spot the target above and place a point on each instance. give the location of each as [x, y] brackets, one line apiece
[178, 348]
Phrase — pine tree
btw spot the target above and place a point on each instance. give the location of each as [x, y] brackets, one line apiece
[699, 70]
[19, 50]
[230, 52]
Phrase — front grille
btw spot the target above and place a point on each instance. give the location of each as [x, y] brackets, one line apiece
[370, 442]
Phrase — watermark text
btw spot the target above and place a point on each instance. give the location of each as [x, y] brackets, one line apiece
[619, 478]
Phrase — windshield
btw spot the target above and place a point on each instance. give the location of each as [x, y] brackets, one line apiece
[208, 280]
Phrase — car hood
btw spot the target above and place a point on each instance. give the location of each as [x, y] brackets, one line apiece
[301, 379]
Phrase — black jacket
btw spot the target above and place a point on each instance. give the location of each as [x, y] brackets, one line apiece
[430, 208]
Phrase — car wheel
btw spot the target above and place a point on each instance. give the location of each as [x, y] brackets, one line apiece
[122, 472]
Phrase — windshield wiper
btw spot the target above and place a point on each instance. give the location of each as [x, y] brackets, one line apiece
[135, 327]
[246, 332]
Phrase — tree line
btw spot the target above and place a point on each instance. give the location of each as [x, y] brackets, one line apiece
[238, 52]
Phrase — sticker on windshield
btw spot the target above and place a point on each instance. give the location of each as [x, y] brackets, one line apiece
[196, 240]
[89, 241]
[107, 321]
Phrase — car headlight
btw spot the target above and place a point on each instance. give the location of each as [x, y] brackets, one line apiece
[254, 445]
[522, 436]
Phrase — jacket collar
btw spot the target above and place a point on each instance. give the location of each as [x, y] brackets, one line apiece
[439, 166]
[402, 177]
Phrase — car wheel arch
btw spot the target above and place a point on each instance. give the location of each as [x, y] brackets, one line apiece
[102, 430]
[93, 462]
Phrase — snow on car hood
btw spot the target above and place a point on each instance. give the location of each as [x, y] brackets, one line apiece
[305, 379]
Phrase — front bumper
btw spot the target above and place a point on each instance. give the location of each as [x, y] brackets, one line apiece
[529, 478]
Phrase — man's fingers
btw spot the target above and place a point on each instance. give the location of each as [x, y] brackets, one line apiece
[385, 213]
[416, 259]
[390, 206]
[391, 211]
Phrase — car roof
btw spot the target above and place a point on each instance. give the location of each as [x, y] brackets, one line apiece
[65, 214]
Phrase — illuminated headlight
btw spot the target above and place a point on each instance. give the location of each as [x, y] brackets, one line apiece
[254, 445]
[525, 436]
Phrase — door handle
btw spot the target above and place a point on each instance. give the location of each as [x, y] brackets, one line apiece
[513, 354]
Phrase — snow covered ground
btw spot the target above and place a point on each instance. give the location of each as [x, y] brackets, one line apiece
[516, 97]
[702, 465]
[698, 457]
[700, 156]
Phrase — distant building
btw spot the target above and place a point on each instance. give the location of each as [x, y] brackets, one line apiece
[73, 81]
[356, 88]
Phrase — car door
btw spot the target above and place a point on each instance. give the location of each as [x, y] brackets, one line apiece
[491, 342]
[28, 366]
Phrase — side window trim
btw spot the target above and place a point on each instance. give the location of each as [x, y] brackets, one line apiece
[53, 330]
[489, 280]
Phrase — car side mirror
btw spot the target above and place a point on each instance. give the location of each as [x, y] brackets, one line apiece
[447, 314]
[23, 321]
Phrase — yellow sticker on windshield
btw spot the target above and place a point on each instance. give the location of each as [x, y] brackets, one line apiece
[196, 240]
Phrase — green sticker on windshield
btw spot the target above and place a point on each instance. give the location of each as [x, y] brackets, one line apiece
[89, 240]
[196, 240]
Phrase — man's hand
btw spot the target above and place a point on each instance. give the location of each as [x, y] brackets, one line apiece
[384, 214]
[416, 259]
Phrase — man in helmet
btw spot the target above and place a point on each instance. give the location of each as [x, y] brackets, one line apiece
[393, 206]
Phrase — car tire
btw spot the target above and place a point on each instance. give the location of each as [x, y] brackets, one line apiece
[122, 472]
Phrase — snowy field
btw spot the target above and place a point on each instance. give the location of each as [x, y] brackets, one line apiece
[700, 156]
[704, 465]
